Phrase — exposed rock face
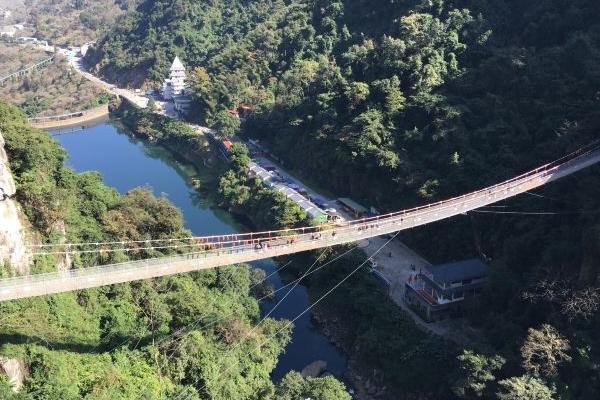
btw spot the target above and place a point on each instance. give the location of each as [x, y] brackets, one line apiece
[12, 234]
[314, 369]
[15, 370]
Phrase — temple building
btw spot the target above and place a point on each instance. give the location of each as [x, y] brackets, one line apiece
[174, 85]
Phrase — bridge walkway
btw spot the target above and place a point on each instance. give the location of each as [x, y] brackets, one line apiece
[215, 251]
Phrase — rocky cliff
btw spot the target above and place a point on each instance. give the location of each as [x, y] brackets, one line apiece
[12, 234]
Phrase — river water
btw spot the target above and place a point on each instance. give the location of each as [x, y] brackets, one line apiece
[126, 163]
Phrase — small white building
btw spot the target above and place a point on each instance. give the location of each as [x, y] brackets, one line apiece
[174, 85]
[84, 49]
[8, 31]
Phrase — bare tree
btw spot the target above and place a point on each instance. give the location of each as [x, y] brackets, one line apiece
[572, 303]
[583, 303]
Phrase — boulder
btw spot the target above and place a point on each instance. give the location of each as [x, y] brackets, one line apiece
[314, 369]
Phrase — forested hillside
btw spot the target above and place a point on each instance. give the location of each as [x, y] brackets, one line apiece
[398, 103]
[189, 336]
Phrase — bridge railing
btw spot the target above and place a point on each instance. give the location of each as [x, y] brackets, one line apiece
[260, 238]
[57, 117]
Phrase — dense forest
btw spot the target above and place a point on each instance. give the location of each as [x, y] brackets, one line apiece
[397, 103]
[191, 336]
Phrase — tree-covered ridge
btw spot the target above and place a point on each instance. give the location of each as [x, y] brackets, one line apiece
[192, 335]
[413, 92]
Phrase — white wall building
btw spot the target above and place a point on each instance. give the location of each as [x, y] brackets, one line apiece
[8, 31]
[174, 85]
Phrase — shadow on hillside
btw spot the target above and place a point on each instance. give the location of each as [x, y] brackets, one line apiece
[18, 338]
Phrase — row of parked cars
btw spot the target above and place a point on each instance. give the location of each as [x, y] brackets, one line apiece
[322, 204]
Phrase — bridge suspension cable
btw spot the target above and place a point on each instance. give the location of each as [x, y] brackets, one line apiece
[535, 212]
[289, 324]
[179, 333]
[195, 323]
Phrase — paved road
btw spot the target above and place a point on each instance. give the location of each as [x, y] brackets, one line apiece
[139, 101]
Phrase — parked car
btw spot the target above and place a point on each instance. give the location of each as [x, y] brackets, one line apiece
[319, 202]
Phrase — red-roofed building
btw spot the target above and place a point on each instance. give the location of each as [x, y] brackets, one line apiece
[227, 144]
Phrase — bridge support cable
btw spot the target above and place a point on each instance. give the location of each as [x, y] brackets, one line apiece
[195, 323]
[268, 314]
[290, 323]
[535, 212]
[181, 333]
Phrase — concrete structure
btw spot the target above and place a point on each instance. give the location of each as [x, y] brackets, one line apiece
[174, 85]
[215, 251]
[440, 291]
[19, 74]
[182, 103]
[84, 49]
[29, 40]
[72, 119]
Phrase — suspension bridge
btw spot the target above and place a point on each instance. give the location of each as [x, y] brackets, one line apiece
[214, 251]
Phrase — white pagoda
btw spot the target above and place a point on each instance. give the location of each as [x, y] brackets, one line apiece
[174, 85]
